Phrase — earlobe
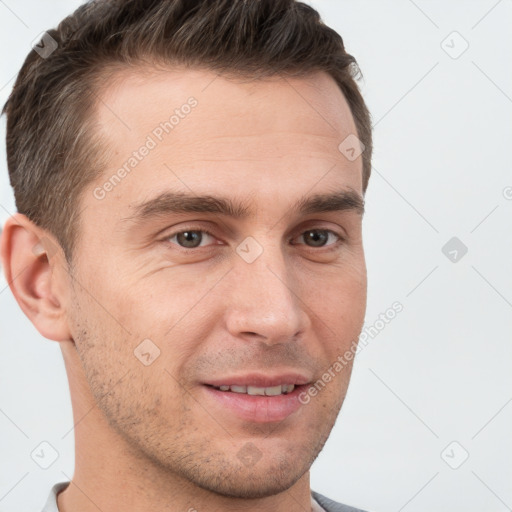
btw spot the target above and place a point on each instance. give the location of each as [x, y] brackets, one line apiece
[33, 267]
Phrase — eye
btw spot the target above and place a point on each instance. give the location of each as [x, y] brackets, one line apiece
[319, 237]
[189, 238]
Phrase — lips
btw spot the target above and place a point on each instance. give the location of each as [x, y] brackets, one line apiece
[259, 380]
[257, 398]
[281, 389]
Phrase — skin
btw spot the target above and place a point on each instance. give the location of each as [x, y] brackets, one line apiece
[147, 437]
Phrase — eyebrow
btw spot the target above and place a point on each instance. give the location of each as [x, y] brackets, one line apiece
[168, 203]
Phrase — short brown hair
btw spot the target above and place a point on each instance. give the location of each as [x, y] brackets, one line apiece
[52, 152]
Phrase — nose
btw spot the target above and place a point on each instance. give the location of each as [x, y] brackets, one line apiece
[264, 300]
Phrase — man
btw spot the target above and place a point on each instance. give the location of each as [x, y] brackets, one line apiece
[189, 179]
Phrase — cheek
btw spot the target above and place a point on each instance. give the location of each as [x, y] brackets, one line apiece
[159, 300]
[337, 296]
[103, 336]
[337, 308]
[125, 388]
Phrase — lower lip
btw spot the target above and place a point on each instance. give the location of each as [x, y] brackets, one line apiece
[257, 408]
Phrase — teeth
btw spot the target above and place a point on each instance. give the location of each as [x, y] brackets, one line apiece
[288, 388]
[273, 391]
[253, 390]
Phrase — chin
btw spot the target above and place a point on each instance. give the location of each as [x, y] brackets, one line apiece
[252, 484]
[221, 472]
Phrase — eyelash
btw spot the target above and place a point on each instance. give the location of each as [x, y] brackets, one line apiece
[167, 239]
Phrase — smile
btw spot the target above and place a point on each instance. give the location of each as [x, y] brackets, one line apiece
[283, 389]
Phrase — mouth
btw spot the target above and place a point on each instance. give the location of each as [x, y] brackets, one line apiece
[280, 389]
[257, 398]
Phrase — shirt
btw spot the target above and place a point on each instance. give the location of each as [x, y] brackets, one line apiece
[316, 499]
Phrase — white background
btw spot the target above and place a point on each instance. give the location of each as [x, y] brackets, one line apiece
[441, 370]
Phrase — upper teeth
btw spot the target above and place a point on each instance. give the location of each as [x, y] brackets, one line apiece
[253, 390]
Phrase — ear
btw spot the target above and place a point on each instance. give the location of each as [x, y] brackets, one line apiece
[37, 274]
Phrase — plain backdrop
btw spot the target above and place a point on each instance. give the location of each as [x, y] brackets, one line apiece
[427, 421]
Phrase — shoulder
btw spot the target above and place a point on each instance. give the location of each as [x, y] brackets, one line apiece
[333, 506]
[51, 502]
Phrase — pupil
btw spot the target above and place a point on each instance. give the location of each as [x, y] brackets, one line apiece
[188, 238]
[314, 238]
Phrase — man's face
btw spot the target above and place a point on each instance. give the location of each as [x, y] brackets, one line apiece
[273, 297]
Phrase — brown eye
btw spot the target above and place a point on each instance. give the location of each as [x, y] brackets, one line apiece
[319, 237]
[189, 238]
[316, 237]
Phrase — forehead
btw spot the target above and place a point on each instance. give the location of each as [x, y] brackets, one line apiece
[136, 101]
[207, 131]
